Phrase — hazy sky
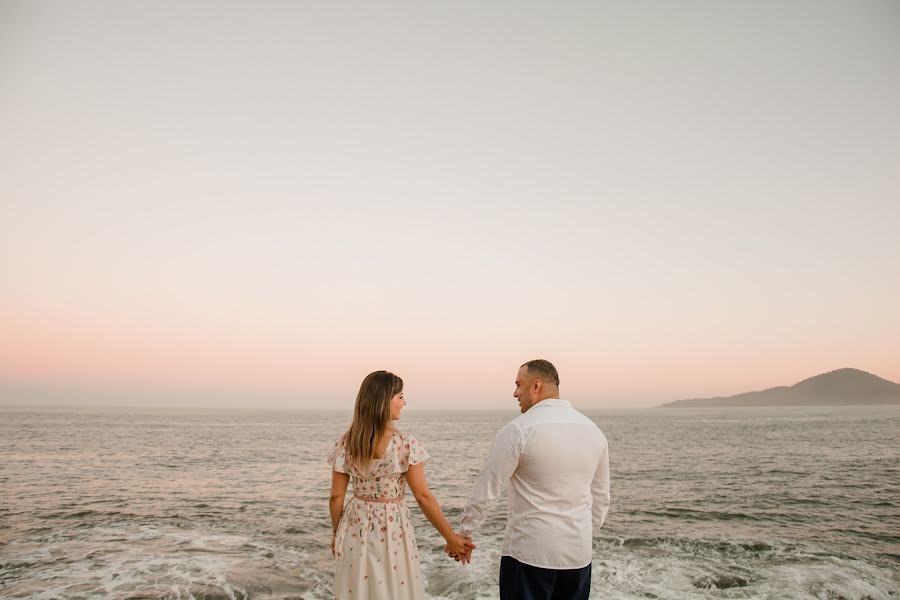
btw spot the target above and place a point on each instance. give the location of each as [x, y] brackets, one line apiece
[268, 200]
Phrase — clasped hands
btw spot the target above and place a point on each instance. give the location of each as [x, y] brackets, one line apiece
[459, 548]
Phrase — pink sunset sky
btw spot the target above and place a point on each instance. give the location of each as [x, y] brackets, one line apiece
[256, 205]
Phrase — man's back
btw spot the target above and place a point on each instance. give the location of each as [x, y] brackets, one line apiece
[550, 492]
[556, 463]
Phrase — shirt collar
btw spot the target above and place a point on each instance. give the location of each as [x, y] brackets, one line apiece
[553, 402]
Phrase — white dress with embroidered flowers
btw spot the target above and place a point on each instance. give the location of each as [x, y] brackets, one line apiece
[375, 546]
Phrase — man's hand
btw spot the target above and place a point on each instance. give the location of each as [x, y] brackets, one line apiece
[460, 548]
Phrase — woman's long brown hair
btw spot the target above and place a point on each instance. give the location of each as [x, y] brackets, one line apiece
[371, 417]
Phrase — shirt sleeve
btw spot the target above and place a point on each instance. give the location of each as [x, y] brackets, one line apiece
[600, 491]
[499, 467]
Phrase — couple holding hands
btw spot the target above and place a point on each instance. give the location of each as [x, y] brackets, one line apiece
[553, 459]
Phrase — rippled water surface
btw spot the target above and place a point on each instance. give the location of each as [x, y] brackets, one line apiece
[712, 503]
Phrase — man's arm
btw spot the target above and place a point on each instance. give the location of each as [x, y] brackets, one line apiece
[600, 491]
[501, 463]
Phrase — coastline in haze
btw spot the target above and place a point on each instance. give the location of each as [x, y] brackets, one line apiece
[839, 387]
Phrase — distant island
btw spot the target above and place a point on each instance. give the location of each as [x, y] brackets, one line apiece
[840, 387]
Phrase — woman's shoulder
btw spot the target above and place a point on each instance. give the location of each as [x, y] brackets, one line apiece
[406, 440]
[410, 449]
[403, 436]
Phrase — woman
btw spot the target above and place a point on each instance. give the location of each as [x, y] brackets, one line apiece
[373, 543]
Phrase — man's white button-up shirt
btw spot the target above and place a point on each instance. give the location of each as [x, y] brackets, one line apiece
[556, 463]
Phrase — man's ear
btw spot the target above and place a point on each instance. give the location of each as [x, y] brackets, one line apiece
[537, 385]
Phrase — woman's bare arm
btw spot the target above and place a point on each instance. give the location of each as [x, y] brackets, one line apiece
[456, 544]
[339, 483]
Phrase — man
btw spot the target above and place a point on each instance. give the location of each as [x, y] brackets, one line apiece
[556, 462]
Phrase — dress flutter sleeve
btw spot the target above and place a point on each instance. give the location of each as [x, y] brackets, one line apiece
[414, 452]
[337, 458]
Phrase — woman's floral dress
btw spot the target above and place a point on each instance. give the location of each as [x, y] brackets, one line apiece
[375, 546]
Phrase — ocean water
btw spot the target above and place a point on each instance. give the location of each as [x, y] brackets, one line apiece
[707, 503]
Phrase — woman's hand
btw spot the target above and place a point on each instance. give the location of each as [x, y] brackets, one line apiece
[460, 548]
[333, 538]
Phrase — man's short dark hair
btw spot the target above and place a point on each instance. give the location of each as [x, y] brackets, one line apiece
[543, 370]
